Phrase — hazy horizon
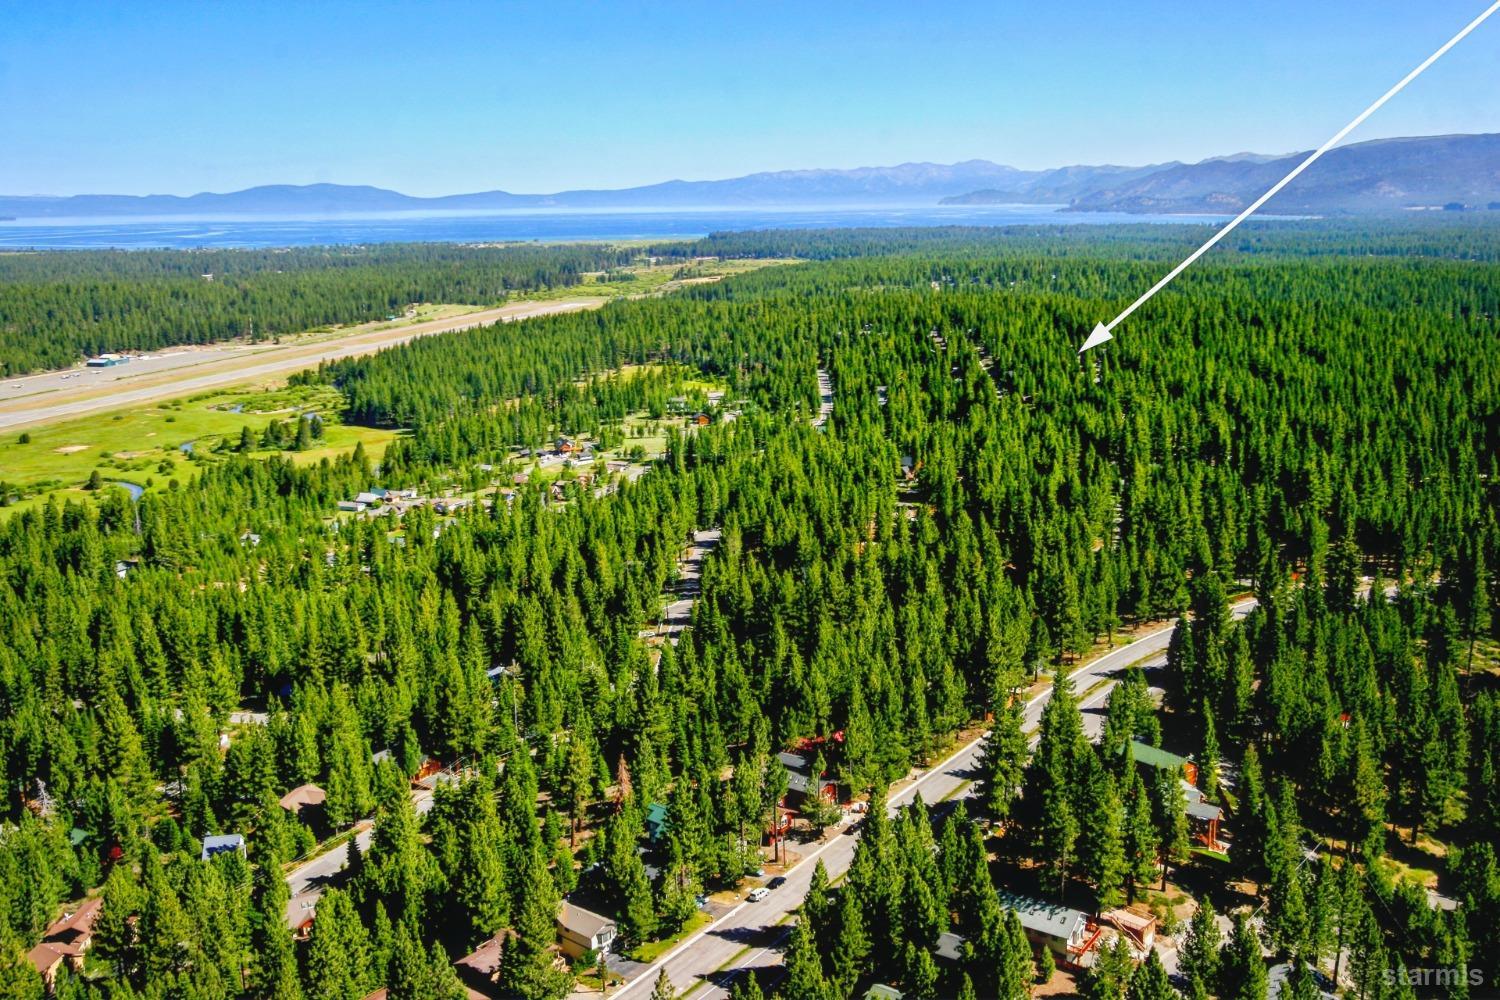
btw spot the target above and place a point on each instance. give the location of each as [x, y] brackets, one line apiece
[454, 98]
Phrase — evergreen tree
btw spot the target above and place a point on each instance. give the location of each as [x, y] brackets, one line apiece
[1286, 909]
[817, 903]
[416, 974]
[526, 963]
[1141, 845]
[1242, 970]
[1199, 957]
[1149, 981]
[1050, 791]
[1109, 977]
[1046, 967]
[746, 987]
[1013, 966]
[117, 940]
[851, 950]
[1170, 807]
[273, 973]
[1002, 763]
[1101, 849]
[1208, 754]
[663, 988]
[920, 974]
[337, 963]
[18, 978]
[804, 967]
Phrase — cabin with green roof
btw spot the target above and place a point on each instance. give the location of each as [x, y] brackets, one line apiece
[1158, 759]
[656, 821]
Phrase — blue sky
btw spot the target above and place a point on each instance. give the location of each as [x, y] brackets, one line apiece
[438, 98]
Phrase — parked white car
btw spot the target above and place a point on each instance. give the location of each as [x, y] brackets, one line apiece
[758, 893]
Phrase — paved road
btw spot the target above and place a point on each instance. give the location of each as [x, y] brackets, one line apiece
[39, 399]
[679, 612]
[699, 963]
[308, 880]
[825, 398]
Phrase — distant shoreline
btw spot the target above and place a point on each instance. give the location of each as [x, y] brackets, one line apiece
[571, 226]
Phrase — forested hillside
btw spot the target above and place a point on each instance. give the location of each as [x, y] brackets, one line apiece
[57, 308]
[982, 508]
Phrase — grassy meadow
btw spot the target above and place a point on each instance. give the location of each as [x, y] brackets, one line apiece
[151, 445]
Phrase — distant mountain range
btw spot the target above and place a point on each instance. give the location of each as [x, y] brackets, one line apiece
[1384, 175]
[1376, 177]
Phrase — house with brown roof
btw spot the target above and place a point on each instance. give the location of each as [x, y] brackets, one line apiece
[306, 803]
[477, 970]
[581, 930]
[66, 940]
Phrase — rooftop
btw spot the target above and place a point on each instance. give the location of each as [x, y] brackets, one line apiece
[303, 795]
[220, 842]
[951, 946]
[1204, 811]
[584, 923]
[1051, 919]
[1155, 756]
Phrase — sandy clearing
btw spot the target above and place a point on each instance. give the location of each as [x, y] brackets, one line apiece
[58, 396]
[69, 449]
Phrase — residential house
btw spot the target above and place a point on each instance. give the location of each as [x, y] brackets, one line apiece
[656, 822]
[1067, 933]
[1147, 755]
[951, 947]
[801, 783]
[66, 941]
[477, 970]
[306, 803]
[581, 930]
[1203, 816]
[221, 843]
[1137, 924]
[1203, 819]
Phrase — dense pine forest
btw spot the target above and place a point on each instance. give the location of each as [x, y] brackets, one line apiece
[57, 308]
[1311, 420]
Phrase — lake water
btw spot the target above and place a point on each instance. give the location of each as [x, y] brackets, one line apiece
[187, 233]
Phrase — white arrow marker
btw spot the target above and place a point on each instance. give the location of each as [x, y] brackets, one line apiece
[1102, 331]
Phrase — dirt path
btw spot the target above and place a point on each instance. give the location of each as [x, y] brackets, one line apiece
[40, 399]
